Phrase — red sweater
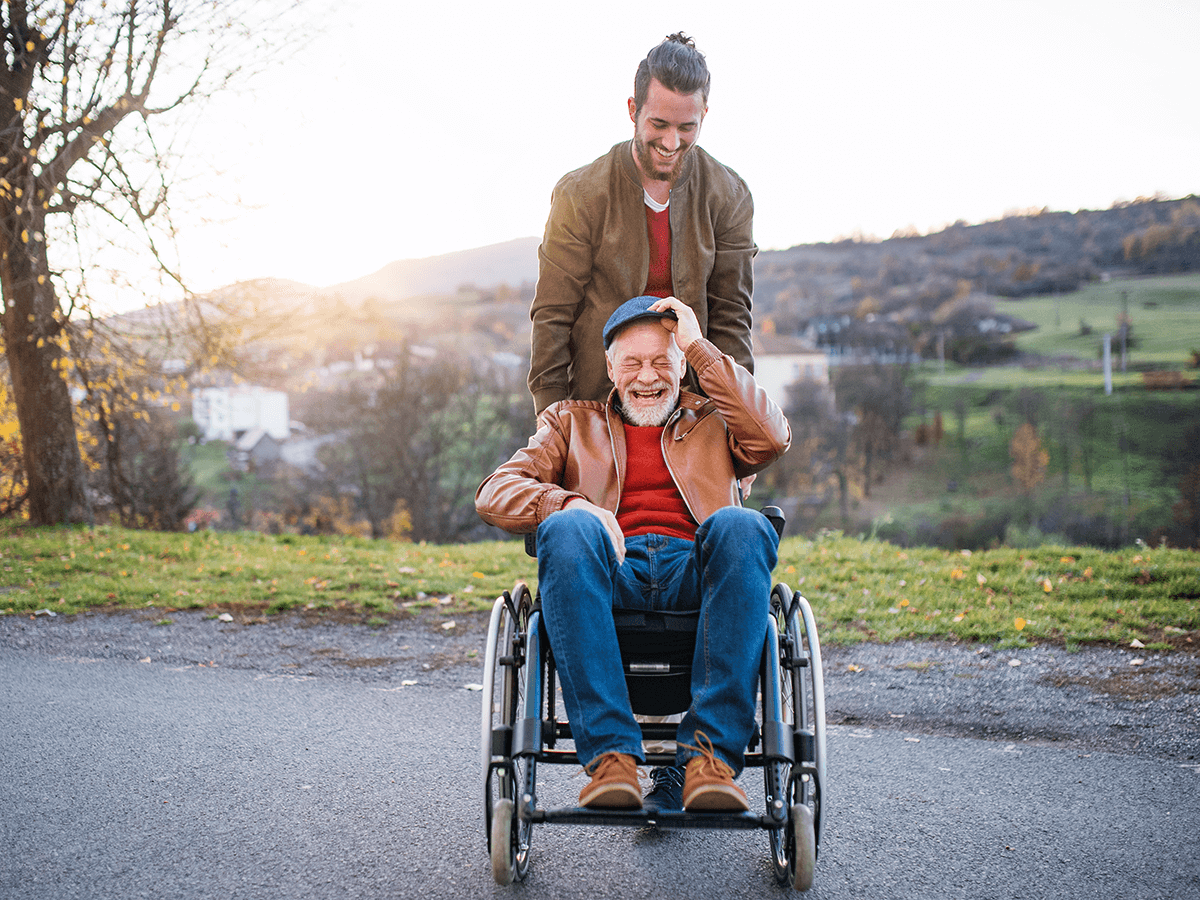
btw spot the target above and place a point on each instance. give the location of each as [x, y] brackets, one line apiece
[658, 282]
[650, 501]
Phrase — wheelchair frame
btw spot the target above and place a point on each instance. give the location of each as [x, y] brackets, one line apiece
[521, 728]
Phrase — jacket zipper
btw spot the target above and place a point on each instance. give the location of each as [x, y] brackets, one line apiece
[612, 443]
[667, 462]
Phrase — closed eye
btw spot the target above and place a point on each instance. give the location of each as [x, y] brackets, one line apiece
[632, 365]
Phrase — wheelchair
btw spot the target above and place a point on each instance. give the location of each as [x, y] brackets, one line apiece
[523, 727]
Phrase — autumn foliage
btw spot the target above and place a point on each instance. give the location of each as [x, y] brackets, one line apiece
[1030, 459]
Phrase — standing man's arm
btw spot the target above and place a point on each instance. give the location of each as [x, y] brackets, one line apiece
[731, 284]
[564, 270]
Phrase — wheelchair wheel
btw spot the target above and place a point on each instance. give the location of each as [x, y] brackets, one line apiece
[797, 788]
[505, 777]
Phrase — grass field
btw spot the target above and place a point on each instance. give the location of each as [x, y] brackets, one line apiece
[1165, 317]
[860, 589]
[1164, 313]
[1016, 377]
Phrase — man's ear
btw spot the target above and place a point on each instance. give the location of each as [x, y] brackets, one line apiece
[682, 356]
[608, 367]
[633, 110]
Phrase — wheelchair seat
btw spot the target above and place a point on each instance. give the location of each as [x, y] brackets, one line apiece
[656, 651]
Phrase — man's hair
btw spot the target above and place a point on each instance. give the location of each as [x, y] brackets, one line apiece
[677, 65]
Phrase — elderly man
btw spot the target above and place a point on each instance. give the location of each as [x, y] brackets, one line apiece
[636, 505]
[656, 215]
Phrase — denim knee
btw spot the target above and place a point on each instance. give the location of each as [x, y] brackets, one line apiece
[573, 534]
[740, 522]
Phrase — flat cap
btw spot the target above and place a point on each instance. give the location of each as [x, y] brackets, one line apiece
[632, 311]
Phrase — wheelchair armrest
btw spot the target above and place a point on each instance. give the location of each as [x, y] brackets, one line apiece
[776, 517]
[531, 544]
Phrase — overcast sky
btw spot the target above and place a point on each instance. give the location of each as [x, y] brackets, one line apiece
[408, 130]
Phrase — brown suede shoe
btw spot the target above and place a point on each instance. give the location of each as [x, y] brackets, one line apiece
[614, 783]
[708, 782]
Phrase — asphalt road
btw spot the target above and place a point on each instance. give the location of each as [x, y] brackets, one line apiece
[174, 778]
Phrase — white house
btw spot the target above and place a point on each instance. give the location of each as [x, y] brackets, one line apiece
[227, 413]
[780, 361]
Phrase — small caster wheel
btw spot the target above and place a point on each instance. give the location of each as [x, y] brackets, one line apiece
[504, 851]
[804, 847]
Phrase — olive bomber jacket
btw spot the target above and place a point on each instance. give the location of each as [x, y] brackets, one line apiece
[595, 255]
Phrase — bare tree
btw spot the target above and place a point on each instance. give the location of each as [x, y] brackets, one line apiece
[425, 439]
[87, 89]
[879, 397]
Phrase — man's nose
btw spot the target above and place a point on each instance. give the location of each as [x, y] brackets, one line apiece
[647, 374]
[670, 140]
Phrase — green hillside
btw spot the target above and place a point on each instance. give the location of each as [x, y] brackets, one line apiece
[1163, 311]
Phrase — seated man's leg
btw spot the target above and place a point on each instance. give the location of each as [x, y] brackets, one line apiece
[577, 568]
[734, 553]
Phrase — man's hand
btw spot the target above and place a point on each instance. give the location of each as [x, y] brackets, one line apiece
[687, 328]
[609, 520]
[746, 483]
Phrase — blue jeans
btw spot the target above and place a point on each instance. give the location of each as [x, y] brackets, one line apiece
[725, 573]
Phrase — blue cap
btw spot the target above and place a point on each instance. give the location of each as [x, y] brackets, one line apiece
[631, 311]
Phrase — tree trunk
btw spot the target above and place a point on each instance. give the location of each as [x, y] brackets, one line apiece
[53, 466]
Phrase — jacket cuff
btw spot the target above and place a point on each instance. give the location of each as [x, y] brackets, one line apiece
[545, 397]
[551, 502]
[701, 354]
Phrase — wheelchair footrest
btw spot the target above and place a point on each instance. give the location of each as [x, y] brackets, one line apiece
[581, 815]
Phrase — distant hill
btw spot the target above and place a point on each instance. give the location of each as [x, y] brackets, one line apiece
[1031, 253]
[1036, 252]
[903, 293]
[512, 262]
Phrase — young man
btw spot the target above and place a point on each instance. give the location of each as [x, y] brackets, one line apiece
[635, 503]
[656, 216]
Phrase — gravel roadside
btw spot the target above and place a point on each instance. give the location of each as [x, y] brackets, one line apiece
[1105, 699]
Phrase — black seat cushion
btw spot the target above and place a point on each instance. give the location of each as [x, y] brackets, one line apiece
[656, 651]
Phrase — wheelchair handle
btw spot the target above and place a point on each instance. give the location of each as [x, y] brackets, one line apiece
[776, 517]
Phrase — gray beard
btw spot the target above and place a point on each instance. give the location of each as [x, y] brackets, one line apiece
[648, 418]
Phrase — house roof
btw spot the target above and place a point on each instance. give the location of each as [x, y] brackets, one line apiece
[781, 345]
[250, 439]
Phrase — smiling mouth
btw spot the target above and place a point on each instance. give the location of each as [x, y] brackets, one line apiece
[649, 396]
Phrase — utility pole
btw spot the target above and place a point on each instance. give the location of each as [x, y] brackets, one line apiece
[1124, 329]
[1107, 363]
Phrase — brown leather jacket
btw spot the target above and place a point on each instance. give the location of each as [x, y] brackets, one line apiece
[579, 449]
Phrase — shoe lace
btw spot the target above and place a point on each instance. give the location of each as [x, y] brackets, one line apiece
[666, 777]
[602, 762]
[708, 756]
